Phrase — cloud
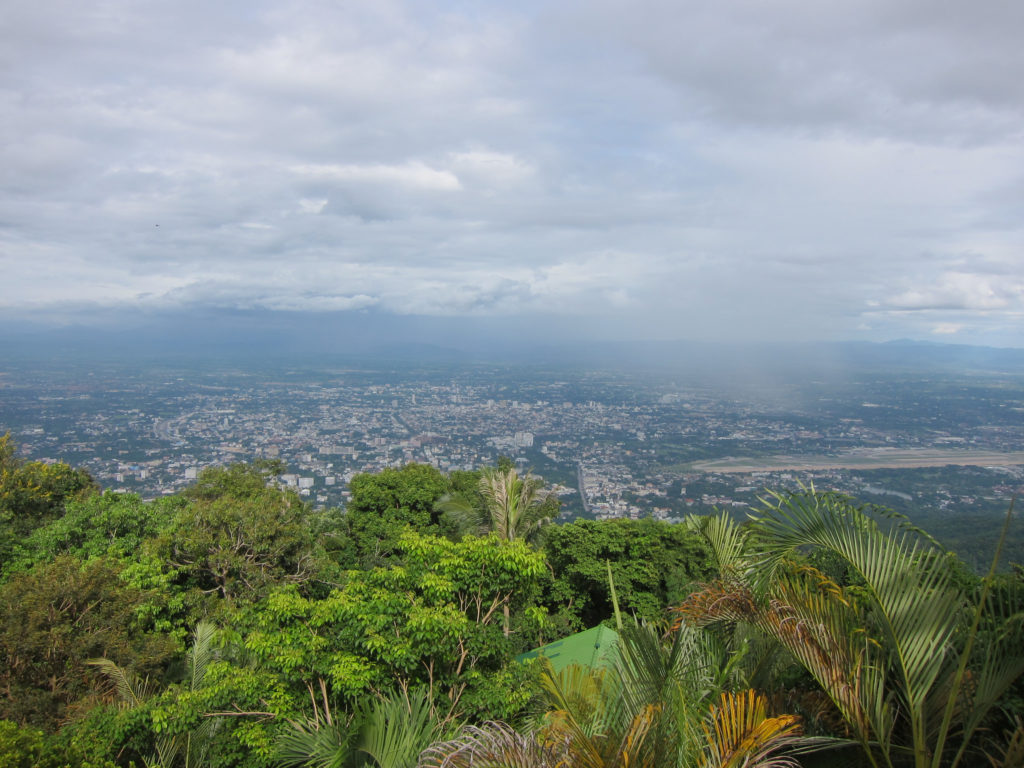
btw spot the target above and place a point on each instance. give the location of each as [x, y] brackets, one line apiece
[909, 68]
[312, 206]
[491, 168]
[415, 175]
[746, 170]
[961, 291]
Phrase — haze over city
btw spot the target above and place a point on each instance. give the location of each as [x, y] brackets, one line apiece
[748, 171]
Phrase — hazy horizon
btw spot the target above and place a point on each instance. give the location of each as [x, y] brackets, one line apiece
[319, 341]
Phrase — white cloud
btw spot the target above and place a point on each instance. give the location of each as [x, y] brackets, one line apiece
[307, 205]
[960, 290]
[492, 168]
[879, 68]
[412, 174]
[678, 167]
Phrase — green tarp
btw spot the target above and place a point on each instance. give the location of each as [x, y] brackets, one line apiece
[594, 648]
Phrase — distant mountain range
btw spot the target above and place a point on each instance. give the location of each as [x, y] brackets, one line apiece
[294, 337]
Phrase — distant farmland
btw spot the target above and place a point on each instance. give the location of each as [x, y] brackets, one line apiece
[865, 458]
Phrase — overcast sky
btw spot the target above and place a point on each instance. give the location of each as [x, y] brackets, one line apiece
[747, 170]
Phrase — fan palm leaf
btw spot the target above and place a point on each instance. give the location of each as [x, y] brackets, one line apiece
[316, 743]
[496, 745]
[385, 733]
[394, 731]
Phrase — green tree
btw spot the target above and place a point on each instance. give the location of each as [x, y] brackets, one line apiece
[513, 507]
[382, 504]
[25, 747]
[33, 493]
[655, 564]
[238, 538]
[53, 619]
[431, 621]
[114, 524]
[516, 507]
[497, 499]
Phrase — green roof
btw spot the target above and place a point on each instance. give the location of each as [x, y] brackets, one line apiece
[593, 648]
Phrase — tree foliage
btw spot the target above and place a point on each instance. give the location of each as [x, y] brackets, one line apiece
[237, 538]
[107, 524]
[431, 621]
[654, 564]
[383, 504]
[354, 637]
[53, 619]
[33, 493]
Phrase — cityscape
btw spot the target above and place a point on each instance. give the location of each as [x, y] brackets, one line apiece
[610, 444]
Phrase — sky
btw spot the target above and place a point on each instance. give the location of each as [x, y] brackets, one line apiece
[752, 170]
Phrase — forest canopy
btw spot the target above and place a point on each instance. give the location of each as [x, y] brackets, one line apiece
[234, 625]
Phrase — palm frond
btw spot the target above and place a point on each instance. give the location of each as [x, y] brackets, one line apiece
[634, 747]
[739, 733]
[999, 669]
[201, 653]
[1010, 754]
[496, 745]
[812, 618]
[464, 516]
[167, 750]
[132, 691]
[723, 600]
[199, 740]
[394, 731]
[912, 667]
[582, 695]
[515, 504]
[728, 541]
[315, 743]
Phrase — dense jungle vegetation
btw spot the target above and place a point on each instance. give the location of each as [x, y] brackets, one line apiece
[232, 625]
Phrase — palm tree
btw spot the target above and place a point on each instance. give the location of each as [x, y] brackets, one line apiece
[663, 706]
[186, 749]
[382, 733]
[516, 506]
[892, 653]
[669, 701]
[513, 507]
